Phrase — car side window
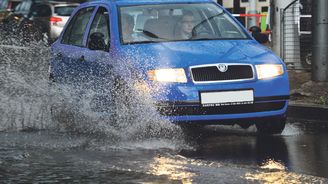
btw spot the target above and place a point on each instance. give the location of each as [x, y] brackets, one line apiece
[26, 6]
[100, 24]
[75, 30]
[23, 7]
[18, 7]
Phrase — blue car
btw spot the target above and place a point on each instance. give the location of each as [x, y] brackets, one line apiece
[208, 68]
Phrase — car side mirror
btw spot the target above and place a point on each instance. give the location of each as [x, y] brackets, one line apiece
[261, 38]
[258, 36]
[97, 42]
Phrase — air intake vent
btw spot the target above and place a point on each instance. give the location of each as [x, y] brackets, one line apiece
[228, 72]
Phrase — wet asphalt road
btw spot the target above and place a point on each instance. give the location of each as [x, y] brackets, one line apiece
[302, 147]
[222, 155]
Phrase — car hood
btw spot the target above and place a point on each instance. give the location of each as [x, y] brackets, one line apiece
[191, 53]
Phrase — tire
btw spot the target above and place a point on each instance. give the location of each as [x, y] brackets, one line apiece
[245, 125]
[114, 104]
[271, 125]
[192, 131]
[102, 103]
[306, 60]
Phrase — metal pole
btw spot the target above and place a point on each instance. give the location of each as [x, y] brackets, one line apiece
[252, 21]
[320, 40]
[236, 6]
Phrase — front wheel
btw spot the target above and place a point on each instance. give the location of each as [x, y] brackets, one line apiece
[192, 131]
[271, 125]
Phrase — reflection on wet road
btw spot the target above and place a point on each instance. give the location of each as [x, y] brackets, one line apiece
[221, 155]
[302, 148]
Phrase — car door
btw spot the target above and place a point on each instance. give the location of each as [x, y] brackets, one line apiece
[68, 63]
[99, 60]
[97, 57]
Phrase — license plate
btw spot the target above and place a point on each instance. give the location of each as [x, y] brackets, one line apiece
[224, 98]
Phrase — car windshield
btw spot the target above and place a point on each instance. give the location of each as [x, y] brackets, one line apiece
[177, 22]
[3, 4]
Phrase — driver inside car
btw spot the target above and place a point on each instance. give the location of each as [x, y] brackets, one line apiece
[185, 26]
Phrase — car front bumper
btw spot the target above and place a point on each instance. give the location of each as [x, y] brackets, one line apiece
[187, 112]
[182, 103]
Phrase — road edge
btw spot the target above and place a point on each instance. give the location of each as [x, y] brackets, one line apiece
[308, 111]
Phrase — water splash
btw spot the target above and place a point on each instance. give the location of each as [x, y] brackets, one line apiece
[291, 129]
[30, 102]
[23, 86]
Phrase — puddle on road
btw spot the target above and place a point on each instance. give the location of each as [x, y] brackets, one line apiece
[275, 172]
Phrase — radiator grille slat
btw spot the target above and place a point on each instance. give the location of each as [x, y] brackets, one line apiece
[212, 73]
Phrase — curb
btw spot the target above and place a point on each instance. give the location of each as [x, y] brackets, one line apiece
[308, 111]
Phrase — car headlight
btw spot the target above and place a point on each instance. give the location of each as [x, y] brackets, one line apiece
[168, 75]
[265, 71]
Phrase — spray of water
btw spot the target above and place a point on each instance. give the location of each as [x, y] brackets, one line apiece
[23, 86]
[100, 106]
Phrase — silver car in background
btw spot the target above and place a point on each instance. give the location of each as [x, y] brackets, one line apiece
[60, 15]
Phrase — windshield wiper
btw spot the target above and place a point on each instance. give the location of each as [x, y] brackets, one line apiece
[152, 35]
[193, 32]
[139, 42]
[205, 39]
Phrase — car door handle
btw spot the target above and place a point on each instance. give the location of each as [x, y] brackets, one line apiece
[81, 59]
[59, 55]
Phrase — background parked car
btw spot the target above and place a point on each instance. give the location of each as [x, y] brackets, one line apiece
[38, 20]
[6, 6]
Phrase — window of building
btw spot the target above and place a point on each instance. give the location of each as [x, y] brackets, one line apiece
[264, 9]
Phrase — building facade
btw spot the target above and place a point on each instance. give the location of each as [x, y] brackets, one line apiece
[243, 7]
[262, 5]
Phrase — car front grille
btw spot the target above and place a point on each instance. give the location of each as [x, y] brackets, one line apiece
[233, 109]
[213, 74]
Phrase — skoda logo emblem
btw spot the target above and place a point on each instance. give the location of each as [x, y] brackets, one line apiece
[222, 67]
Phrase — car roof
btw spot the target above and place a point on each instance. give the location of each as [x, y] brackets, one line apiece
[65, 4]
[140, 2]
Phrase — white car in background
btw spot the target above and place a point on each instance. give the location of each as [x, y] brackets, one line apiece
[60, 15]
